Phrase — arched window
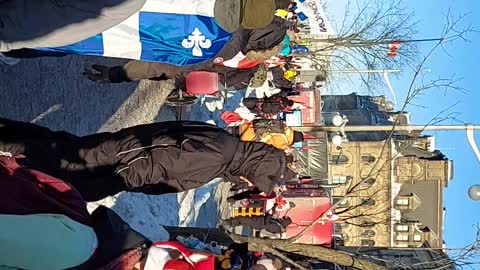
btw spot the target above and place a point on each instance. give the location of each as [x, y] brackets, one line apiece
[338, 159]
[368, 233]
[341, 179]
[368, 202]
[368, 158]
[368, 243]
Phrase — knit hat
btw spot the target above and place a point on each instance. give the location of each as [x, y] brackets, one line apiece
[297, 136]
[257, 13]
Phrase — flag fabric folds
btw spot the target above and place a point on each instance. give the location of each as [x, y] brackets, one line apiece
[178, 32]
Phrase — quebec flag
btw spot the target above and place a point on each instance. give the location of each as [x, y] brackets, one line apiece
[178, 32]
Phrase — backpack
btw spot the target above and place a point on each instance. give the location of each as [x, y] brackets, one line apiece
[262, 126]
[259, 77]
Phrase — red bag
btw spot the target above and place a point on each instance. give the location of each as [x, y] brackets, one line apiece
[190, 261]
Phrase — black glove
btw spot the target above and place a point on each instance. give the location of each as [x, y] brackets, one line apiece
[97, 73]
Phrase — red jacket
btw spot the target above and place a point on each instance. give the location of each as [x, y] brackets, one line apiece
[25, 191]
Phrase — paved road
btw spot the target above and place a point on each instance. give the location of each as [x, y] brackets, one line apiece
[34, 85]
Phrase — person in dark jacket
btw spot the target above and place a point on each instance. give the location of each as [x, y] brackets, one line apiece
[46, 23]
[158, 158]
[268, 107]
[267, 222]
[242, 41]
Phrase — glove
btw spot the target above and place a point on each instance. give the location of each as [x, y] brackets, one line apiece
[97, 73]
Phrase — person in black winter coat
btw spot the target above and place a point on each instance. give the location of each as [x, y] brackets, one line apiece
[243, 40]
[158, 158]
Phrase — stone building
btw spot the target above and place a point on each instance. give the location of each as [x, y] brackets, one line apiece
[394, 183]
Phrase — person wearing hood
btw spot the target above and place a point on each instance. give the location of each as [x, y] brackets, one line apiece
[157, 158]
[46, 23]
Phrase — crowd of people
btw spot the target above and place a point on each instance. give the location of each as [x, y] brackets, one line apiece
[48, 176]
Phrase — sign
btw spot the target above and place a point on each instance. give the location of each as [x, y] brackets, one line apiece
[317, 20]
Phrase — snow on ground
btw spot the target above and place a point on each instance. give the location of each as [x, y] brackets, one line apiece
[33, 86]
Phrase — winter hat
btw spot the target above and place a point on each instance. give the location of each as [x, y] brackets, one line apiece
[250, 14]
[257, 13]
[297, 136]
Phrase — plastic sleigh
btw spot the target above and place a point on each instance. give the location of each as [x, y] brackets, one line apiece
[197, 83]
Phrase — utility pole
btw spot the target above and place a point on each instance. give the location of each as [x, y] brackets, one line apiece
[391, 128]
[382, 71]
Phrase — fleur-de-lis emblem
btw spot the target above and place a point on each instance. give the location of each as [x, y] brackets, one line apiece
[197, 41]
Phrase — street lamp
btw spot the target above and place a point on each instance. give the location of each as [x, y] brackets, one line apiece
[337, 138]
[474, 192]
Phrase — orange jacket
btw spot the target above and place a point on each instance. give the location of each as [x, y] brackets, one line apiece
[280, 141]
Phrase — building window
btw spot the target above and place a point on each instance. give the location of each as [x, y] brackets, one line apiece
[368, 202]
[401, 237]
[338, 159]
[368, 158]
[367, 224]
[403, 202]
[368, 243]
[344, 203]
[341, 179]
[368, 233]
[417, 238]
[402, 228]
[369, 182]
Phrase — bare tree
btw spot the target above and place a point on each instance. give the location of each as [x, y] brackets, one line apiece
[363, 38]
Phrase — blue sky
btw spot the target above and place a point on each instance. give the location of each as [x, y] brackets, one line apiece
[462, 213]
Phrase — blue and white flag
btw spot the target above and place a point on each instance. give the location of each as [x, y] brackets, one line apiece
[178, 32]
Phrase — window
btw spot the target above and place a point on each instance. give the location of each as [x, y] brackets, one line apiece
[402, 228]
[367, 224]
[403, 202]
[369, 182]
[417, 237]
[402, 237]
[341, 179]
[344, 203]
[368, 233]
[368, 158]
[368, 202]
[338, 159]
[368, 243]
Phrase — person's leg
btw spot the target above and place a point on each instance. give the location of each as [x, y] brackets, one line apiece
[244, 195]
[25, 130]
